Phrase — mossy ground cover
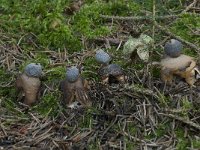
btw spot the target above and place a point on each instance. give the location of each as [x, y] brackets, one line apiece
[121, 117]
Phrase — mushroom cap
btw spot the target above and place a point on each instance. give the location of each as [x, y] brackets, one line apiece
[33, 70]
[112, 69]
[102, 57]
[173, 48]
[72, 74]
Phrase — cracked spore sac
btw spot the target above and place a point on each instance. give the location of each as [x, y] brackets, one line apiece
[33, 70]
[102, 57]
[173, 48]
[112, 69]
[72, 74]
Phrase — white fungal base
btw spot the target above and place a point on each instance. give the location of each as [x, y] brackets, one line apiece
[74, 105]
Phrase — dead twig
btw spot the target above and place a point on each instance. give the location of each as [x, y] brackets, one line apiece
[190, 6]
[166, 31]
[106, 130]
[186, 121]
[140, 17]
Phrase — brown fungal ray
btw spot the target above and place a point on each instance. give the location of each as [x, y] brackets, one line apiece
[77, 90]
[183, 66]
[30, 87]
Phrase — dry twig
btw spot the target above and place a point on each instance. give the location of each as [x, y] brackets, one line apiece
[186, 121]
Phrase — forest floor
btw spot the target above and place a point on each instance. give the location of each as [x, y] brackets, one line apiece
[144, 113]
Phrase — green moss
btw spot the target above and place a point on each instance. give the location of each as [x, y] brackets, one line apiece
[117, 8]
[156, 72]
[90, 68]
[186, 106]
[164, 100]
[139, 66]
[55, 30]
[39, 19]
[93, 145]
[6, 91]
[190, 52]
[86, 121]
[183, 27]
[46, 23]
[162, 7]
[47, 20]
[182, 144]
[11, 108]
[39, 58]
[196, 143]
[131, 127]
[55, 74]
[182, 141]
[162, 129]
[130, 145]
[49, 104]
[9, 104]
[88, 22]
